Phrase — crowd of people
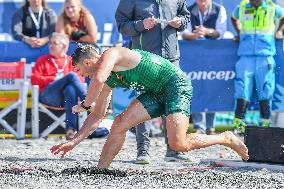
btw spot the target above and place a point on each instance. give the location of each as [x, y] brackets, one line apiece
[37, 25]
[153, 28]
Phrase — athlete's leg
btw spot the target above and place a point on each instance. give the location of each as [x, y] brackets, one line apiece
[179, 140]
[133, 115]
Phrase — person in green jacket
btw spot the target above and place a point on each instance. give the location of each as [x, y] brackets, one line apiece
[167, 92]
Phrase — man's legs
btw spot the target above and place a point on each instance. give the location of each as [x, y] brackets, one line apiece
[197, 119]
[240, 111]
[172, 155]
[79, 87]
[181, 141]
[71, 99]
[198, 123]
[142, 136]
[210, 116]
[245, 70]
[133, 115]
[178, 139]
[65, 92]
[265, 112]
[53, 94]
[73, 90]
[143, 143]
[265, 84]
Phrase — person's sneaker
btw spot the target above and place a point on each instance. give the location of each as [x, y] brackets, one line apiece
[173, 156]
[142, 157]
[198, 131]
[239, 124]
[210, 131]
[264, 123]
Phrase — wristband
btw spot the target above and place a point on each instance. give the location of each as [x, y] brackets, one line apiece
[85, 107]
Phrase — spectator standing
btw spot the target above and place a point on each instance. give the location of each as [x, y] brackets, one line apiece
[153, 26]
[59, 86]
[208, 20]
[33, 23]
[254, 21]
[77, 22]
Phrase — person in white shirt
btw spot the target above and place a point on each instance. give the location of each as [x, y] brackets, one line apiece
[208, 20]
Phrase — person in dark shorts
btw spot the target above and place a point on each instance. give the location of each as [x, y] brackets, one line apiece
[167, 92]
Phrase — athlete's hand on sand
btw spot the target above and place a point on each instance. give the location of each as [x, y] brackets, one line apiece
[77, 109]
[64, 147]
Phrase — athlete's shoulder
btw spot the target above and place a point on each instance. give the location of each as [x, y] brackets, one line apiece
[113, 51]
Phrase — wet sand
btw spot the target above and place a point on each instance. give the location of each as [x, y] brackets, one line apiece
[29, 164]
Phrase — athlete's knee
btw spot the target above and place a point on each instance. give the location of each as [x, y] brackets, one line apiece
[118, 127]
[179, 145]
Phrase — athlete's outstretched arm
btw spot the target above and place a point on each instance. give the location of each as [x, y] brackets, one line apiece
[95, 117]
[103, 70]
[90, 124]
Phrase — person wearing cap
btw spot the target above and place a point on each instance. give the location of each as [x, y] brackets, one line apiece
[59, 84]
[254, 21]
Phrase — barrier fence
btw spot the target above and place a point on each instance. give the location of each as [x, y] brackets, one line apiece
[209, 64]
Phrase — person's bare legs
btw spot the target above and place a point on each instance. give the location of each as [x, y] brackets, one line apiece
[179, 140]
[133, 115]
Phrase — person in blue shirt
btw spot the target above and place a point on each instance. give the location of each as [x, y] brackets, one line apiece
[254, 21]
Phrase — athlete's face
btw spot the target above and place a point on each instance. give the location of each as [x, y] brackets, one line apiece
[84, 69]
[72, 8]
[88, 67]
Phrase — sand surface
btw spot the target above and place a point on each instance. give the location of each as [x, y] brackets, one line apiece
[29, 164]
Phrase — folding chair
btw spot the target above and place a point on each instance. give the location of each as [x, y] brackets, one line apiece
[58, 121]
[40, 107]
[13, 79]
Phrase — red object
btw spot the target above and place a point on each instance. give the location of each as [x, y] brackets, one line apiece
[12, 70]
[44, 70]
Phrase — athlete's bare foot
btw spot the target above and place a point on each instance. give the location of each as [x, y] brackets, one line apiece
[236, 144]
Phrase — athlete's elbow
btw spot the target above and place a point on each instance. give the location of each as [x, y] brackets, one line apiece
[100, 79]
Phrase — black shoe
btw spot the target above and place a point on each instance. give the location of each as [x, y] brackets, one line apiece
[198, 131]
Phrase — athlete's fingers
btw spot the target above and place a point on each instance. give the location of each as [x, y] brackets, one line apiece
[54, 148]
[63, 154]
[58, 151]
